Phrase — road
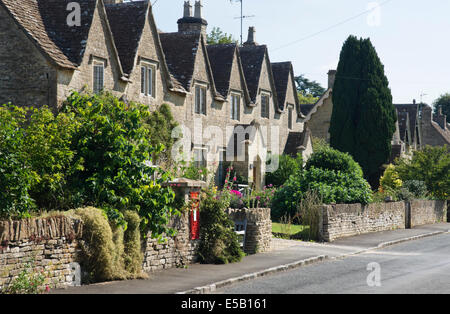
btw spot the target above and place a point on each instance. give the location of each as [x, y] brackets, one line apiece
[421, 266]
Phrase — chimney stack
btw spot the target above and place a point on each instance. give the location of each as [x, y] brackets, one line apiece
[331, 78]
[251, 37]
[193, 24]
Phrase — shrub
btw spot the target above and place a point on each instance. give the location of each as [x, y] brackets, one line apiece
[133, 256]
[218, 242]
[16, 175]
[339, 180]
[390, 181]
[417, 188]
[48, 153]
[331, 159]
[430, 165]
[287, 165]
[100, 257]
[308, 213]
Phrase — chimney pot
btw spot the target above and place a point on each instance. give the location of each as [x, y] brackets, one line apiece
[198, 9]
[331, 78]
[187, 9]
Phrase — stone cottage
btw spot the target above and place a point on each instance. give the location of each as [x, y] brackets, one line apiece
[232, 103]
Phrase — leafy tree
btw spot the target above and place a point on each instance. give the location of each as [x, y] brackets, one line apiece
[308, 99]
[306, 87]
[217, 36]
[363, 118]
[430, 165]
[16, 175]
[443, 102]
[113, 143]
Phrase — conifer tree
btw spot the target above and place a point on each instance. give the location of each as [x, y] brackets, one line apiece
[363, 118]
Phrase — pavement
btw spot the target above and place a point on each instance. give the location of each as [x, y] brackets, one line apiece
[284, 255]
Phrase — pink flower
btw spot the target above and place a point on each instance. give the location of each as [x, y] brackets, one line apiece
[47, 289]
[200, 171]
[237, 193]
[234, 179]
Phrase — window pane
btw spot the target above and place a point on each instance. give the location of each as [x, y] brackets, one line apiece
[197, 99]
[98, 78]
[203, 100]
[143, 80]
[150, 81]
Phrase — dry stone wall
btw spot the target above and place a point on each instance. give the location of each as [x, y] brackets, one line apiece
[344, 220]
[423, 212]
[258, 234]
[50, 244]
[176, 251]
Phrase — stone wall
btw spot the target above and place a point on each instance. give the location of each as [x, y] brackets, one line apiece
[258, 234]
[423, 212]
[176, 251]
[49, 243]
[344, 220]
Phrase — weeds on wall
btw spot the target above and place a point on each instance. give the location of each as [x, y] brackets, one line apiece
[29, 281]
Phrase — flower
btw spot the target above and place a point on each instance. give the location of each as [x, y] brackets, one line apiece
[237, 193]
[234, 179]
[47, 289]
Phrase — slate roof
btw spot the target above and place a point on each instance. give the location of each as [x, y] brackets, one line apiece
[43, 23]
[296, 142]
[221, 58]
[180, 50]
[281, 71]
[306, 108]
[407, 112]
[252, 58]
[127, 21]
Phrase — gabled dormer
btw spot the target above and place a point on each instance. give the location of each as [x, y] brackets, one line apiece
[140, 51]
[229, 78]
[259, 77]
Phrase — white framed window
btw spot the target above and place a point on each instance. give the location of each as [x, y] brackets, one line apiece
[265, 109]
[235, 107]
[98, 76]
[200, 99]
[290, 118]
[148, 80]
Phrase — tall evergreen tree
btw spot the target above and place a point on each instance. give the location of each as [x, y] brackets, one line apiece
[363, 118]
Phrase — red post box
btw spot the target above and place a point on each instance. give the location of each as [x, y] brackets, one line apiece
[195, 216]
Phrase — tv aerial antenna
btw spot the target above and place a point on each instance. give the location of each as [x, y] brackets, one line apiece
[242, 17]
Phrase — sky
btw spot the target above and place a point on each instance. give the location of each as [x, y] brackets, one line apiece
[411, 36]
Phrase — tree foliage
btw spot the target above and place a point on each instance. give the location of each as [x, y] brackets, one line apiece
[333, 175]
[363, 118]
[217, 36]
[443, 102]
[287, 165]
[306, 87]
[430, 165]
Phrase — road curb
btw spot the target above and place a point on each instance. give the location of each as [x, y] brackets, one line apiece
[220, 284]
[304, 262]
